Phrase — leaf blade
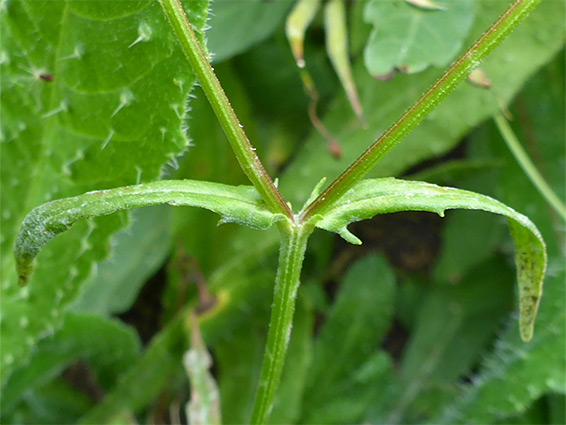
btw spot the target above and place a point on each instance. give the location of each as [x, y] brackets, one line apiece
[381, 196]
[238, 204]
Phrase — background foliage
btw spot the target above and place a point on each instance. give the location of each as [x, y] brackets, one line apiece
[417, 325]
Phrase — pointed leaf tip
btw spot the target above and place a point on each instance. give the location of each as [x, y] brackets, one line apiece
[349, 236]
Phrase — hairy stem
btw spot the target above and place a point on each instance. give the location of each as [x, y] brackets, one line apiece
[528, 167]
[423, 106]
[291, 255]
[245, 153]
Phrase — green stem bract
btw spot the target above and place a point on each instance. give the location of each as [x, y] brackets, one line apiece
[528, 167]
[292, 250]
[243, 149]
[423, 106]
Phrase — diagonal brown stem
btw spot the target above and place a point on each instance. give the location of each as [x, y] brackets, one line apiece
[422, 107]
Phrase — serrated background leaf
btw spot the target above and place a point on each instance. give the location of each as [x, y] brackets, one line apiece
[111, 115]
[411, 39]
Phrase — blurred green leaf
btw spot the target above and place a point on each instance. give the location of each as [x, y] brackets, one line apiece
[238, 25]
[239, 362]
[92, 97]
[143, 380]
[297, 24]
[242, 290]
[517, 373]
[106, 345]
[452, 326]
[55, 402]
[357, 321]
[137, 253]
[411, 39]
[482, 235]
[353, 396]
[337, 49]
[538, 413]
[557, 408]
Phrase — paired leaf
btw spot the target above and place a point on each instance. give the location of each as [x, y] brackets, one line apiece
[381, 196]
[238, 204]
[411, 39]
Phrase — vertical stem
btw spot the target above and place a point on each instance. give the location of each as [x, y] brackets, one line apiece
[250, 163]
[291, 256]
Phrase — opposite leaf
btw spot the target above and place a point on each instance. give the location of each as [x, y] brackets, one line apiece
[380, 196]
[240, 204]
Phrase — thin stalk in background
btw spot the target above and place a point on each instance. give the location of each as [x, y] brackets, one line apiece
[245, 153]
[423, 106]
[291, 255]
[528, 167]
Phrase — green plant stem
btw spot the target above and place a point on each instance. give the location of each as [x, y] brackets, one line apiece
[291, 255]
[528, 167]
[242, 147]
[422, 107]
